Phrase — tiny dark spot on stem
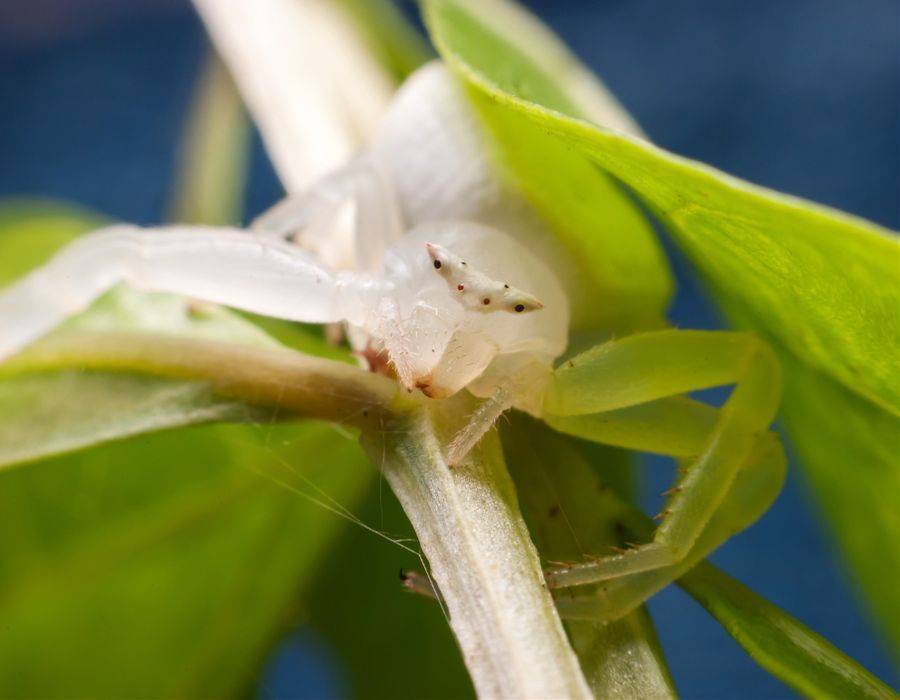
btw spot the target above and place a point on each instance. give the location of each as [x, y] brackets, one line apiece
[554, 511]
[506, 286]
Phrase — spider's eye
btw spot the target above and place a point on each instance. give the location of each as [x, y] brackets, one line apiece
[437, 264]
[519, 308]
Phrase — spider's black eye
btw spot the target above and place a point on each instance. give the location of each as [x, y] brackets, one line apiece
[486, 301]
[519, 308]
[437, 264]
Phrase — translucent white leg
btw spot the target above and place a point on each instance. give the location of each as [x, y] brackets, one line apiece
[222, 265]
[521, 377]
[312, 217]
[478, 424]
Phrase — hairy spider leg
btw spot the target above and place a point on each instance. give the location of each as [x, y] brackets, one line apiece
[310, 217]
[521, 379]
[221, 265]
[755, 487]
[481, 420]
[648, 367]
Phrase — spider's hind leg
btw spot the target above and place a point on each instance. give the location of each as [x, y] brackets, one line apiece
[757, 484]
[622, 393]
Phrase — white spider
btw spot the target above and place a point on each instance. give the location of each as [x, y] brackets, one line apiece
[403, 245]
[444, 276]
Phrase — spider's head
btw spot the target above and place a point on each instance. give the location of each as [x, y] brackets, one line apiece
[445, 262]
[475, 289]
[518, 302]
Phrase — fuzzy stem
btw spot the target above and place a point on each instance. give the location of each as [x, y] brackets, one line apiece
[467, 518]
[301, 384]
[481, 556]
[571, 511]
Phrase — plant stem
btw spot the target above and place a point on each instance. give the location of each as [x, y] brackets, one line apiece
[467, 519]
[481, 556]
[569, 509]
[300, 384]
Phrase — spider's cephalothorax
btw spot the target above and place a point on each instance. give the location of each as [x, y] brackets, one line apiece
[441, 338]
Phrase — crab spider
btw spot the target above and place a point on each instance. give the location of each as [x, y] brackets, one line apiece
[446, 320]
[427, 258]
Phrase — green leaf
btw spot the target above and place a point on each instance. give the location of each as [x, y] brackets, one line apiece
[49, 414]
[166, 565]
[851, 449]
[820, 284]
[823, 282]
[782, 645]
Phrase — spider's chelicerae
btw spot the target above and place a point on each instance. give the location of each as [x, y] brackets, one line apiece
[443, 269]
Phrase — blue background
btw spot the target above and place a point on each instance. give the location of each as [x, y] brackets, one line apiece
[799, 95]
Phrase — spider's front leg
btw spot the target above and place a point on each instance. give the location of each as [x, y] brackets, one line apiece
[221, 265]
[521, 384]
[479, 422]
[312, 218]
[626, 393]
